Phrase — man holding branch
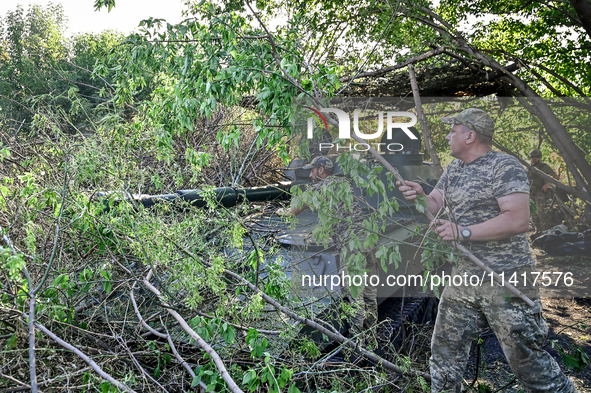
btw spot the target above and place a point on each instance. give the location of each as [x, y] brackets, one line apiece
[486, 196]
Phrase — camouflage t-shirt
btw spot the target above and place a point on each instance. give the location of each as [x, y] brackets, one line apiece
[346, 217]
[537, 182]
[470, 191]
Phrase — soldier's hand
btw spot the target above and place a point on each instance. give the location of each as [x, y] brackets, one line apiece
[411, 190]
[545, 187]
[447, 230]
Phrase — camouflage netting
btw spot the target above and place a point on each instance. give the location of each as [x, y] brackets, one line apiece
[451, 79]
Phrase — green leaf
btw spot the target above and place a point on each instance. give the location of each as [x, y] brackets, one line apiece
[11, 343]
[259, 348]
[370, 240]
[293, 389]
[394, 257]
[483, 388]
[105, 387]
[107, 284]
[421, 204]
[284, 377]
[249, 376]
[196, 380]
[229, 334]
[251, 336]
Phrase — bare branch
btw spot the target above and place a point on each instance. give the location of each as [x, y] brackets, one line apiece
[31, 324]
[162, 335]
[23, 386]
[406, 63]
[139, 316]
[57, 227]
[245, 328]
[82, 355]
[181, 360]
[333, 335]
[139, 366]
[201, 342]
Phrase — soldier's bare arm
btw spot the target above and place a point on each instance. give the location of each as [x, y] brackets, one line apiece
[513, 220]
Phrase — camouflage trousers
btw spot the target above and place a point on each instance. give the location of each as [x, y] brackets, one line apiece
[521, 330]
[365, 304]
[542, 218]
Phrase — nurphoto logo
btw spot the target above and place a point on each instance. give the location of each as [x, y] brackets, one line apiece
[345, 128]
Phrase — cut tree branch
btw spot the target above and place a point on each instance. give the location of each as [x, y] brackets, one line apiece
[333, 335]
[31, 324]
[201, 342]
[82, 355]
[164, 336]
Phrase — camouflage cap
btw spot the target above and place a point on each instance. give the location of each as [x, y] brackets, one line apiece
[535, 153]
[320, 161]
[475, 119]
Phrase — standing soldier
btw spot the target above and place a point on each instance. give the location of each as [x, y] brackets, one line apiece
[487, 195]
[540, 190]
[348, 222]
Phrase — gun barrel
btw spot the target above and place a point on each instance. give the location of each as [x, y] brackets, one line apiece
[225, 196]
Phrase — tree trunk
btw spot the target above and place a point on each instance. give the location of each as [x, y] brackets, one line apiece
[583, 10]
[424, 128]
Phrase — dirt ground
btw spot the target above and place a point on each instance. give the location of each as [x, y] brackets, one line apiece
[568, 314]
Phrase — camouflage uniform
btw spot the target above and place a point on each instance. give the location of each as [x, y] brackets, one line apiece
[540, 197]
[349, 222]
[470, 191]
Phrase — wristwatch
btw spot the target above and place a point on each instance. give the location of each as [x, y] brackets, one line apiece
[466, 233]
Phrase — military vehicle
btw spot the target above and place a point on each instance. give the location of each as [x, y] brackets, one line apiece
[300, 256]
[397, 304]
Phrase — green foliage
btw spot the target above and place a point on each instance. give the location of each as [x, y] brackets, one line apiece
[99, 4]
[13, 264]
[41, 68]
[228, 333]
[309, 348]
[547, 34]
[574, 357]
[210, 377]
[106, 387]
[4, 152]
[257, 344]
[205, 64]
[190, 106]
[107, 283]
[424, 386]
[11, 343]
[533, 209]
[484, 388]
[274, 379]
[421, 205]
[328, 200]
[436, 251]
